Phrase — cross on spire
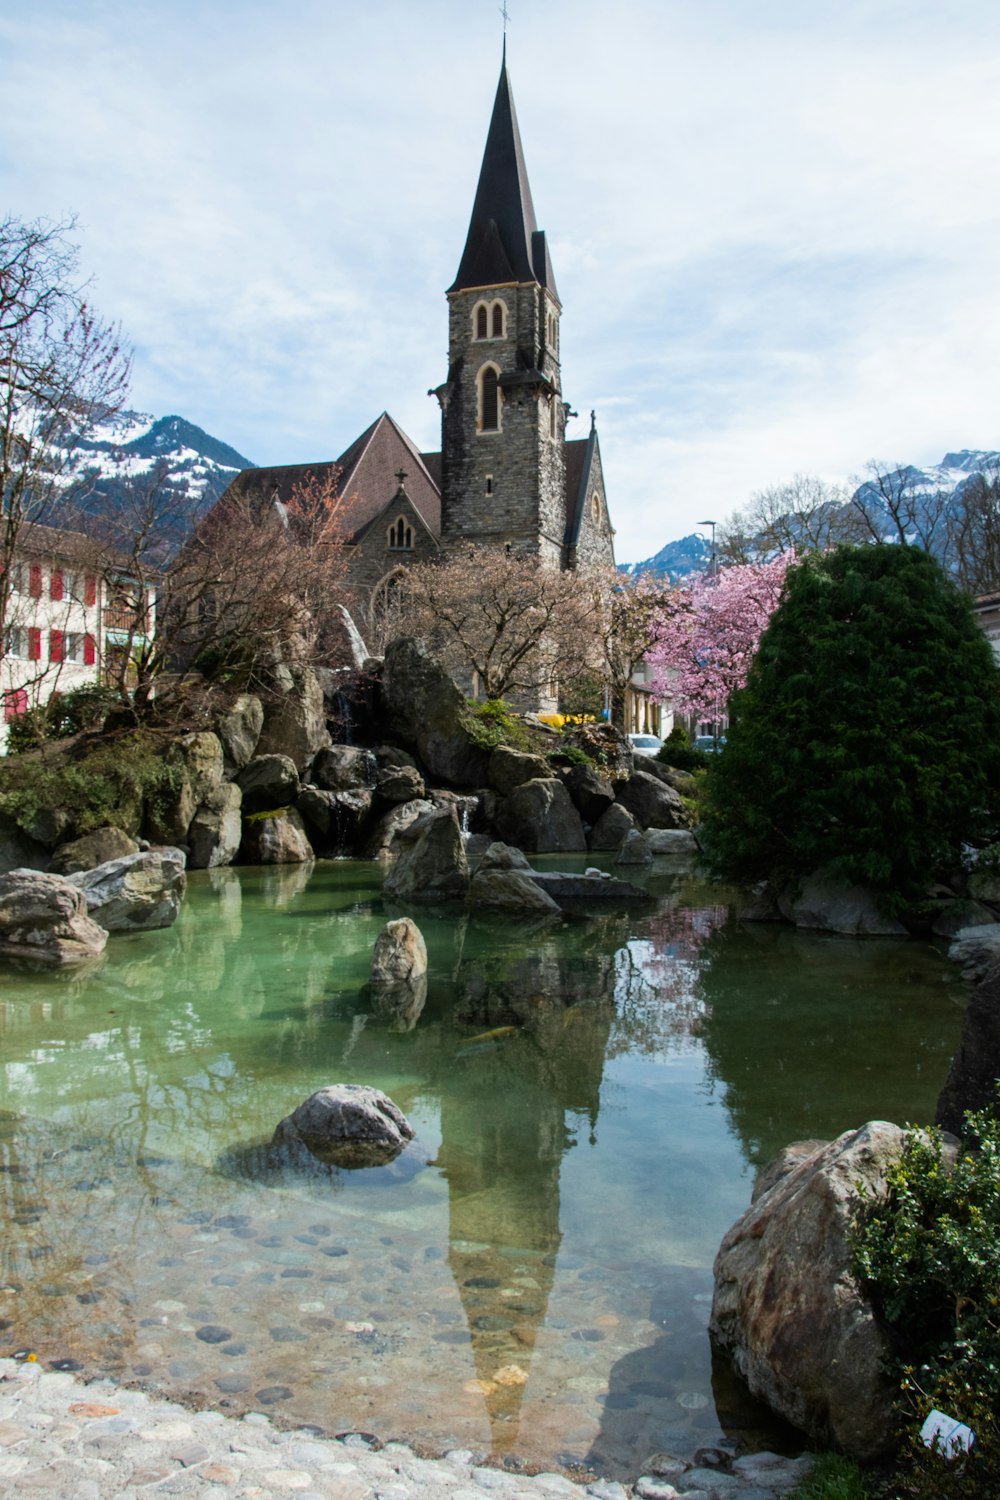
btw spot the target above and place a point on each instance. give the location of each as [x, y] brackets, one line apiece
[401, 475]
[506, 16]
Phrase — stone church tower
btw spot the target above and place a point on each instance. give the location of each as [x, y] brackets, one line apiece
[503, 464]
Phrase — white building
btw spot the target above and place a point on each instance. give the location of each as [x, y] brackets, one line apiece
[67, 622]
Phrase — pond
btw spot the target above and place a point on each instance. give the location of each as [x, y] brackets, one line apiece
[531, 1278]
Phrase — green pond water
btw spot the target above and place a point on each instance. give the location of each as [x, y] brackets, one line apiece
[532, 1277]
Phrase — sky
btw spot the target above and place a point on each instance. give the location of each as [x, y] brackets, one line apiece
[774, 225]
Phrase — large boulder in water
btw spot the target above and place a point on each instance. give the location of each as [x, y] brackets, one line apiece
[216, 828]
[425, 708]
[591, 792]
[43, 918]
[652, 803]
[400, 953]
[787, 1306]
[540, 817]
[275, 838]
[346, 1124]
[433, 865]
[136, 893]
[268, 781]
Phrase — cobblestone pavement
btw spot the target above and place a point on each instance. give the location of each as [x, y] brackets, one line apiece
[62, 1438]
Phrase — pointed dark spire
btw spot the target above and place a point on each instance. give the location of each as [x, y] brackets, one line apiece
[504, 242]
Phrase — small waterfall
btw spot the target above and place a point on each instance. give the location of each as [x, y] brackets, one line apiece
[343, 717]
[466, 807]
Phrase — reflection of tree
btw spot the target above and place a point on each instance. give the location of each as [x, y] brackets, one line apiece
[659, 1001]
[810, 1036]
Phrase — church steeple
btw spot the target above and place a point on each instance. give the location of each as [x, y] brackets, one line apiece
[504, 243]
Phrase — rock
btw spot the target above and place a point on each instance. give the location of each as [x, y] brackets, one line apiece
[18, 851]
[216, 828]
[198, 765]
[347, 1124]
[977, 949]
[343, 768]
[512, 768]
[949, 917]
[49, 826]
[434, 866]
[268, 781]
[44, 918]
[400, 953]
[607, 747]
[202, 758]
[787, 1307]
[92, 849]
[634, 850]
[396, 784]
[611, 828]
[392, 755]
[652, 803]
[591, 792]
[673, 841]
[971, 1082]
[385, 840]
[275, 838]
[829, 904]
[137, 893]
[502, 857]
[509, 890]
[681, 781]
[540, 817]
[984, 885]
[334, 819]
[294, 717]
[567, 889]
[427, 711]
[239, 730]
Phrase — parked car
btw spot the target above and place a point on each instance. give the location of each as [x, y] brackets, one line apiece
[644, 744]
[710, 743]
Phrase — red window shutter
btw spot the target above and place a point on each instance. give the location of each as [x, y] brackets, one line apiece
[90, 590]
[89, 651]
[56, 584]
[34, 643]
[55, 645]
[15, 701]
[35, 581]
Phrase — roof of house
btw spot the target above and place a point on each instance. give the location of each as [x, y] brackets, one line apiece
[366, 474]
[504, 242]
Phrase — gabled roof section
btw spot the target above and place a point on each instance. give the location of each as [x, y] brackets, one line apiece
[583, 465]
[504, 243]
[367, 474]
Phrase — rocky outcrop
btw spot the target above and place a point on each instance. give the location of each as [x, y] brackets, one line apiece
[675, 842]
[540, 817]
[216, 828]
[18, 851]
[975, 1068]
[275, 838]
[512, 768]
[346, 1124]
[396, 784]
[239, 730]
[652, 803]
[591, 792]
[634, 850]
[611, 828]
[503, 880]
[433, 864]
[268, 781]
[828, 903]
[198, 763]
[343, 768]
[294, 716]
[43, 919]
[136, 893]
[385, 840]
[977, 949]
[426, 710]
[787, 1307]
[334, 819]
[92, 849]
[607, 748]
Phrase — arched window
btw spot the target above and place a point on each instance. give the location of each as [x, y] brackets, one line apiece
[595, 504]
[489, 399]
[400, 536]
[498, 311]
[482, 322]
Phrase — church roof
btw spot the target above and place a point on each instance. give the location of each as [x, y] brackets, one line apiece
[366, 474]
[504, 242]
[582, 457]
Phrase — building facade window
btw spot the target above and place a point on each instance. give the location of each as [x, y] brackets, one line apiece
[497, 316]
[482, 321]
[489, 320]
[15, 702]
[35, 581]
[489, 484]
[56, 585]
[16, 642]
[489, 399]
[34, 643]
[595, 505]
[401, 536]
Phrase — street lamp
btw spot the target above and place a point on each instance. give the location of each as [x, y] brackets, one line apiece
[711, 560]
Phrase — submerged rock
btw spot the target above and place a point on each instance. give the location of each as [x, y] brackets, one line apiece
[400, 953]
[346, 1124]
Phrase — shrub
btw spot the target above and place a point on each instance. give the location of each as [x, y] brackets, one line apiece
[832, 1477]
[65, 714]
[494, 723]
[929, 1258]
[113, 780]
[867, 737]
[678, 751]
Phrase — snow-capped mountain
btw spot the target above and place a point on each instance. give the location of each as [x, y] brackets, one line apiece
[675, 561]
[181, 458]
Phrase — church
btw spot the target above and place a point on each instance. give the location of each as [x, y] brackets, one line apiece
[506, 475]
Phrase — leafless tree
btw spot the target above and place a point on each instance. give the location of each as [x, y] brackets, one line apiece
[805, 515]
[974, 533]
[627, 616]
[894, 503]
[62, 373]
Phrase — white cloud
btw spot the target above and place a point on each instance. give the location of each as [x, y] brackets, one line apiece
[773, 227]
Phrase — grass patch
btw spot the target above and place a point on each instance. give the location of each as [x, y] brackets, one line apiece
[832, 1477]
[112, 779]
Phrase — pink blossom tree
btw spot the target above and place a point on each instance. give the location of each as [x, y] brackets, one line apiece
[708, 639]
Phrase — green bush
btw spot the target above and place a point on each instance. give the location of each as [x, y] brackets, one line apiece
[678, 751]
[569, 755]
[867, 737]
[832, 1477]
[116, 780]
[929, 1258]
[65, 714]
[494, 723]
